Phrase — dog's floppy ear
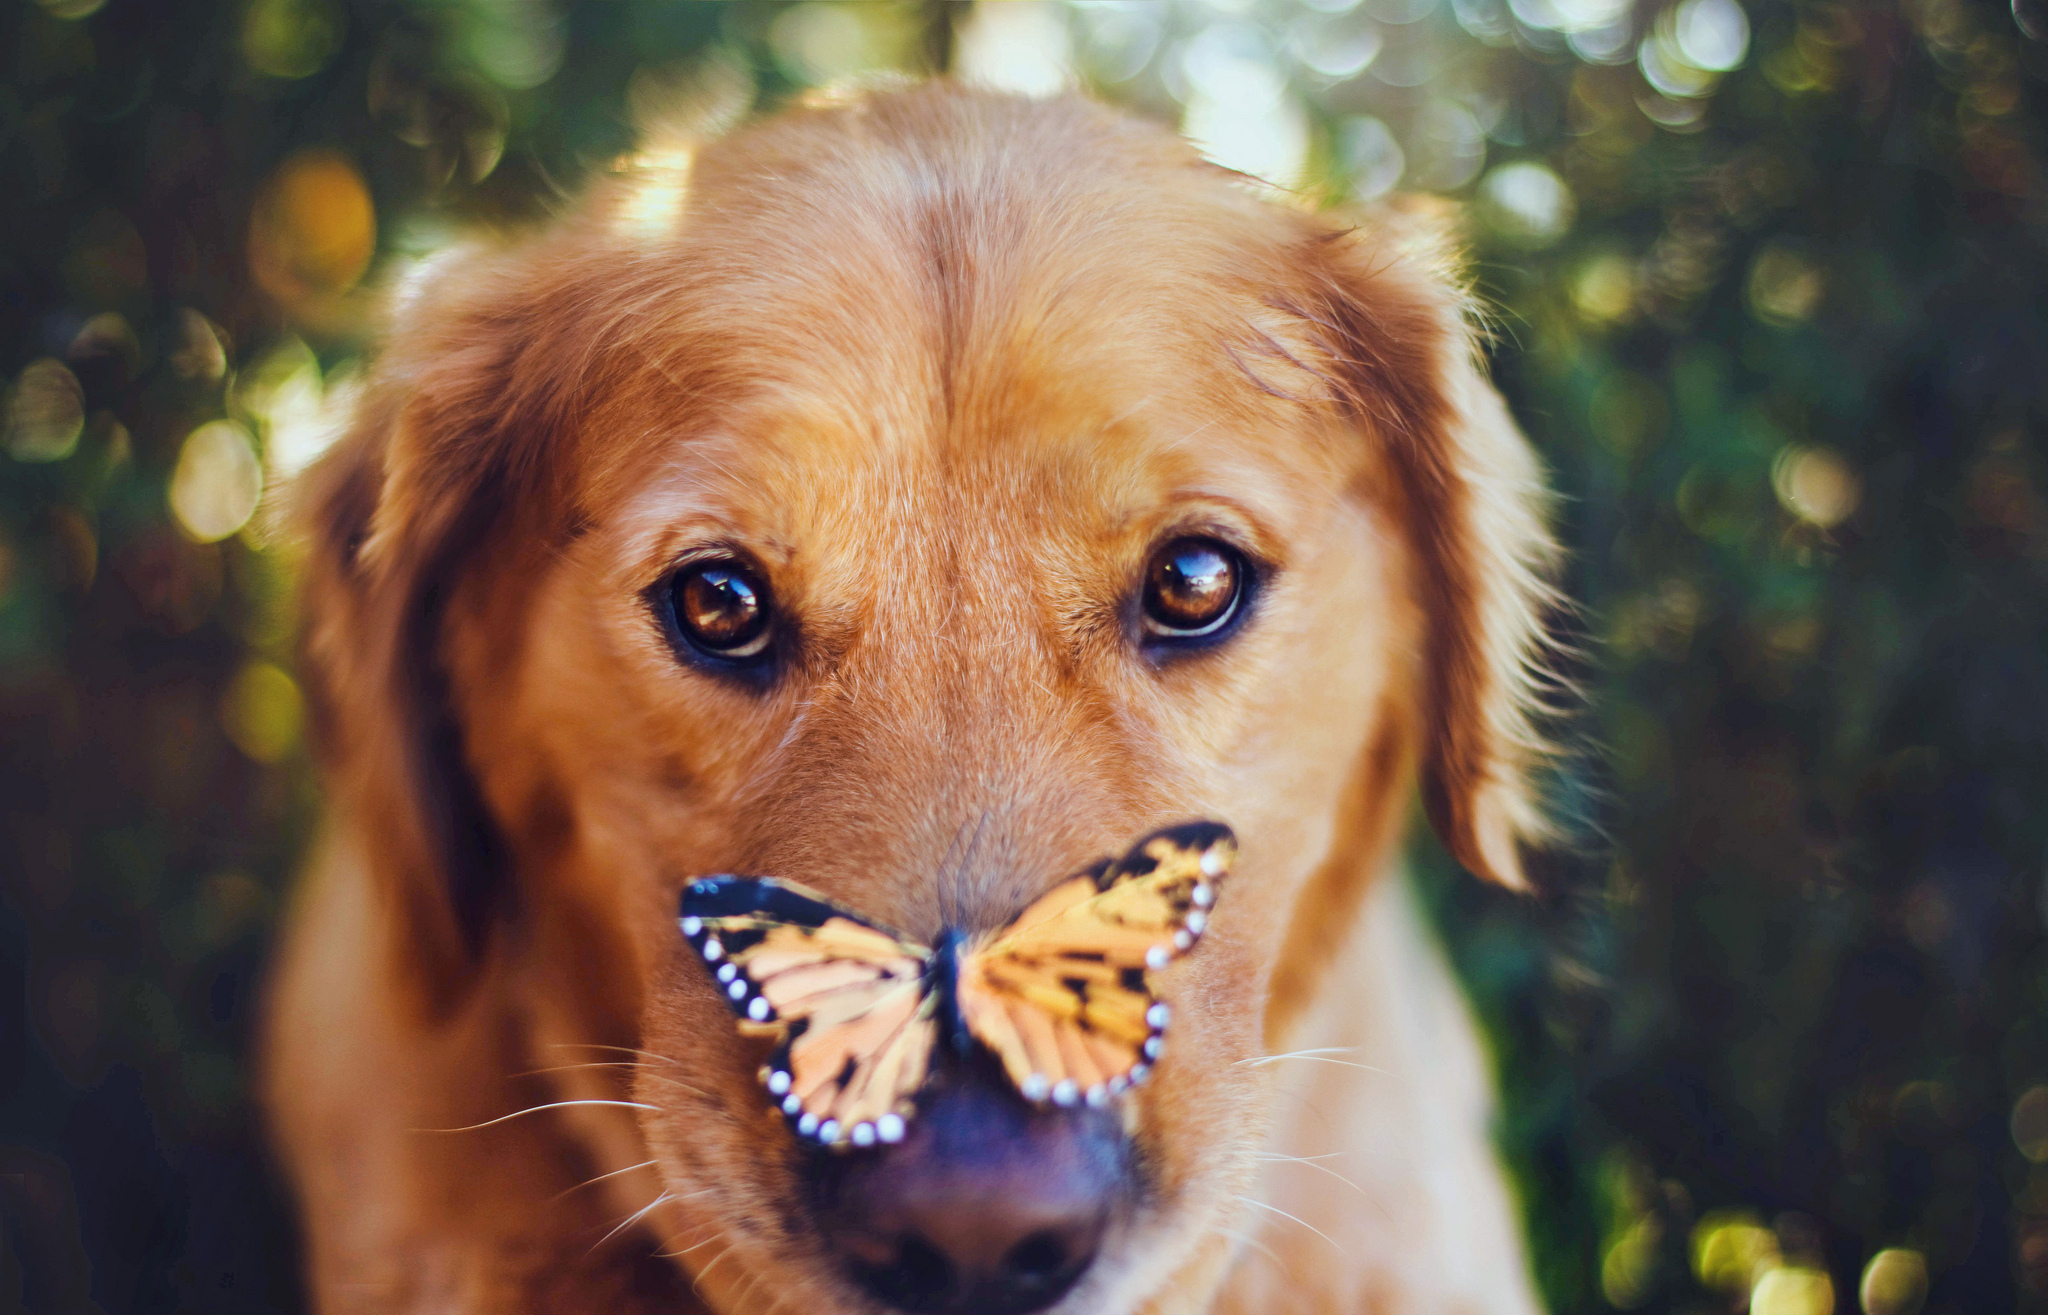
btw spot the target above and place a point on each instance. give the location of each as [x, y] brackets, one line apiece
[458, 434]
[1404, 356]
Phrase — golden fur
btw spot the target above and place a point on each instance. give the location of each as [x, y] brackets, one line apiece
[948, 364]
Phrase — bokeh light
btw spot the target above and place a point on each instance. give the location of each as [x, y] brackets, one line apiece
[2029, 1124]
[1712, 35]
[298, 413]
[312, 232]
[262, 712]
[1816, 485]
[1527, 203]
[1784, 287]
[217, 483]
[1239, 108]
[1894, 1283]
[45, 412]
[1732, 1250]
[291, 38]
[1025, 47]
[824, 43]
[1793, 1290]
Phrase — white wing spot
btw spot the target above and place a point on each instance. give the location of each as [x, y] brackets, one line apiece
[691, 926]
[1158, 957]
[889, 1128]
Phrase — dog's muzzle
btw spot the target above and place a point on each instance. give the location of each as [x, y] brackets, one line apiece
[988, 1206]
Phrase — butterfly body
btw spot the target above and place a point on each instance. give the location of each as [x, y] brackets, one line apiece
[1061, 996]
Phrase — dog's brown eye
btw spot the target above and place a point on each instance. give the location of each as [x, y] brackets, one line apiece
[1192, 589]
[722, 609]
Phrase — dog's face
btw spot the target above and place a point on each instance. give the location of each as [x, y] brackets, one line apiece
[945, 492]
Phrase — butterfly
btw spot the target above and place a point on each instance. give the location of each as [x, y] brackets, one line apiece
[1062, 995]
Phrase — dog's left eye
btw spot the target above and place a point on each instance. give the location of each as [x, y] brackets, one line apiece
[1194, 588]
[722, 609]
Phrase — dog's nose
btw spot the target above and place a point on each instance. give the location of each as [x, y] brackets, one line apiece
[987, 1206]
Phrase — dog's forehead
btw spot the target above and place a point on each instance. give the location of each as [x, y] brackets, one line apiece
[899, 330]
[1079, 418]
[1029, 474]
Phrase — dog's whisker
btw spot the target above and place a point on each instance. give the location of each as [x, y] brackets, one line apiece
[1296, 1218]
[698, 1278]
[1192, 434]
[628, 1064]
[632, 1219]
[644, 1164]
[628, 1050]
[712, 1224]
[1129, 411]
[1320, 1055]
[695, 1246]
[666, 1198]
[1289, 1054]
[677, 1083]
[1310, 1161]
[746, 1294]
[569, 1068]
[1248, 1240]
[535, 1109]
[623, 1050]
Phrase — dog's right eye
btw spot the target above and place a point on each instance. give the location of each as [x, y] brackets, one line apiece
[1194, 591]
[722, 609]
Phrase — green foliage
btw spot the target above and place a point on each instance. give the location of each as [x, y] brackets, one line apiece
[1771, 291]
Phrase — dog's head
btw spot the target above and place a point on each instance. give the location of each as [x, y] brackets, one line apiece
[918, 499]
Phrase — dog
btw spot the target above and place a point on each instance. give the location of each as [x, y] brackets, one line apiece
[917, 496]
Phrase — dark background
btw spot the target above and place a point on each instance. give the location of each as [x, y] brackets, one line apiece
[1771, 293]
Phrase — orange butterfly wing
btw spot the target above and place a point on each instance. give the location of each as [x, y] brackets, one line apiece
[852, 1004]
[1063, 995]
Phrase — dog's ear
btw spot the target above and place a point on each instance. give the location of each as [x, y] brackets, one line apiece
[455, 442]
[1404, 356]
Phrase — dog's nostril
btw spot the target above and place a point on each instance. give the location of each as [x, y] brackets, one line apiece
[1041, 1256]
[920, 1279]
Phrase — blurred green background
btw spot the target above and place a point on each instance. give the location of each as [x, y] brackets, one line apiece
[1770, 279]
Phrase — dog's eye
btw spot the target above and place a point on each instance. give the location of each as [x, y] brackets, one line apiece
[1193, 588]
[722, 609]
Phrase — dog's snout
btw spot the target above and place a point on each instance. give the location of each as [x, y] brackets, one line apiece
[987, 1206]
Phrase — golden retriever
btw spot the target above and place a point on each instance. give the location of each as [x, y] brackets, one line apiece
[916, 496]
